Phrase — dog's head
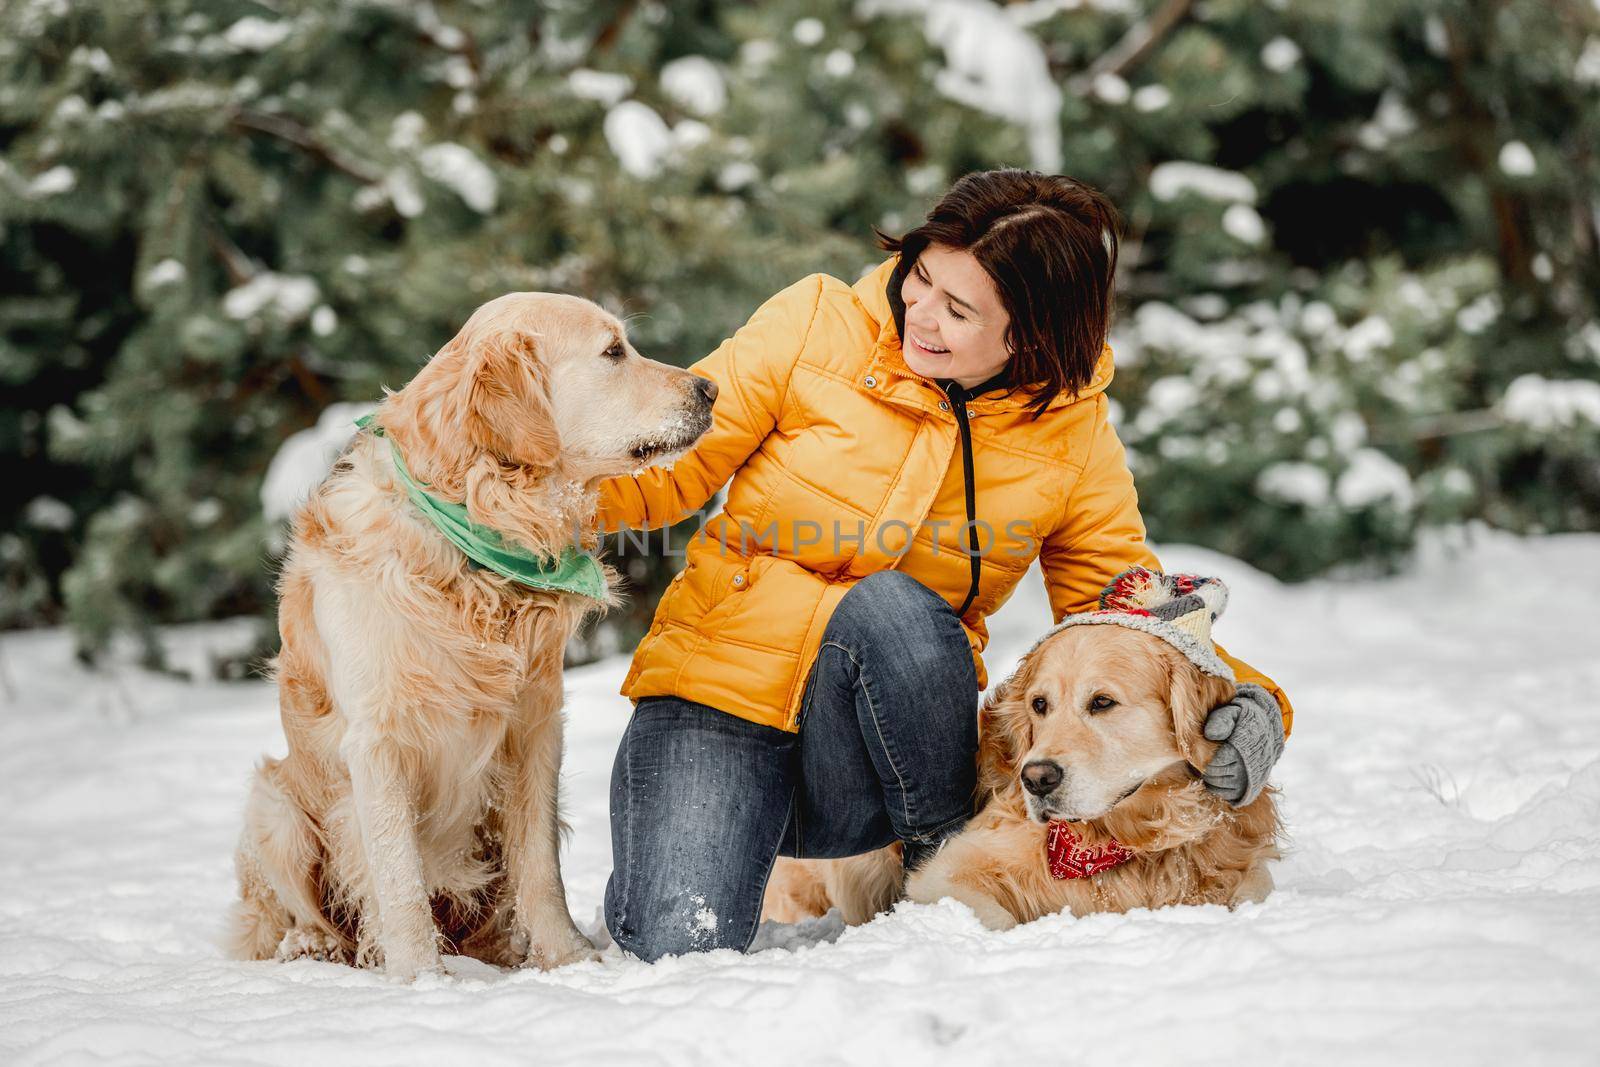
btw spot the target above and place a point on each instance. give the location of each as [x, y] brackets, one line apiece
[549, 378]
[1090, 716]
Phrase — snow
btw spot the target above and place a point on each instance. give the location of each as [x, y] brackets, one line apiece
[95, 59]
[252, 34]
[809, 31]
[1367, 338]
[406, 130]
[291, 296]
[48, 513]
[1151, 97]
[1176, 178]
[1552, 404]
[603, 86]
[992, 64]
[737, 175]
[1111, 88]
[1584, 344]
[399, 187]
[757, 53]
[1165, 400]
[324, 321]
[1391, 120]
[1440, 902]
[1295, 483]
[1244, 224]
[1480, 314]
[695, 84]
[1373, 478]
[839, 63]
[53, 182]
[1516, 159]
[458, 169]
[165, 272]
[1280, 55]
[690, 133]
[305, 458]
[640, 138]
[1586, 70]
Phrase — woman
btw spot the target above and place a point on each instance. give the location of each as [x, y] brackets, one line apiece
[900, 452]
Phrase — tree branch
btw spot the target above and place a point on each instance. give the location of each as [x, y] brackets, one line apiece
[1135, 46]
[291, 132]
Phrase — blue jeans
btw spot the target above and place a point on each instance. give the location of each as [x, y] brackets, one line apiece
[703, 802]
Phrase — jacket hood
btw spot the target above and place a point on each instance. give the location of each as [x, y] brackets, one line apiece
[872, 291]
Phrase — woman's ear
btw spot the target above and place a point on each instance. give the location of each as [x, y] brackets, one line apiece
[507, 402]
[1192, 694]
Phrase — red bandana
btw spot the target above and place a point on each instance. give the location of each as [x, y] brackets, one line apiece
[1071, 858]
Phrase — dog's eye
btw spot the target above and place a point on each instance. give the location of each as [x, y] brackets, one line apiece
[1040, 705]
[1101, 702]
[616, 353]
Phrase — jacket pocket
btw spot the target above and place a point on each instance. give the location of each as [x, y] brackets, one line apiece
[772, 608]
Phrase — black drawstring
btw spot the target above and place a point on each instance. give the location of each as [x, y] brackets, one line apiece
[958, 403]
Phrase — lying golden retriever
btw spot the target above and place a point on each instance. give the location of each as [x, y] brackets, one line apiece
[421, 693]
[1086, 763]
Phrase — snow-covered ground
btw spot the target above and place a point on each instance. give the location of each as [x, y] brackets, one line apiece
[1441, 902]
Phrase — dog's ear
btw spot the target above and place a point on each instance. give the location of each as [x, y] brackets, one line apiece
[1192, 694]
[507, 404]
[1004, 729]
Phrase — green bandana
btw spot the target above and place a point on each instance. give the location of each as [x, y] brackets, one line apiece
[573, 572]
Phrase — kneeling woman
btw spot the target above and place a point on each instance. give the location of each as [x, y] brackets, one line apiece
[900, 451]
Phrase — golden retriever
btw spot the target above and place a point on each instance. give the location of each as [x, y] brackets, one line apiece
[1105, 724]
[421, 694]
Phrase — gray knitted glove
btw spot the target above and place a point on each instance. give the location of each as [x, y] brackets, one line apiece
[1250, 728]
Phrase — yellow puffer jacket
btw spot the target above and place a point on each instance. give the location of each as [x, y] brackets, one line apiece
[822, 426]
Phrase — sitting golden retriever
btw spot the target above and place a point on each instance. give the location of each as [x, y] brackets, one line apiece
[420, 691]
[1089, 798]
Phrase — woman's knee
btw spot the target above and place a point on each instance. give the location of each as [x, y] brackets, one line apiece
[698, 800]
[889, 602]
[685, 920]
[892, 591]
[913, 630]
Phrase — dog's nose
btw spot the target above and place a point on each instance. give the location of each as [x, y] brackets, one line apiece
[706, 388]
[1041, 777]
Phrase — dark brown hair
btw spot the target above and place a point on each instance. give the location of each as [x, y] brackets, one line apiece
[1050, 244]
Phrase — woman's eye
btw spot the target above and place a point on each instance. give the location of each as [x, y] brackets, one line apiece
[956, 314]
[1101, 702]
[1040, 705]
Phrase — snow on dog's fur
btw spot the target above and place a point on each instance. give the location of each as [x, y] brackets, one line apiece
[1128, 776]
[421, 695]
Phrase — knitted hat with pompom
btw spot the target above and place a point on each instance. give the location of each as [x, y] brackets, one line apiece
[1178, 608]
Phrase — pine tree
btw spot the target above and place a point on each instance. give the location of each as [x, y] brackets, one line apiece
[1359, 276]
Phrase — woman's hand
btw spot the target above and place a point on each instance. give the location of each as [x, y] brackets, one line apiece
[1250, 729]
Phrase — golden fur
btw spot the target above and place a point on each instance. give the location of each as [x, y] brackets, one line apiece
[1191, 848]
[421, 695]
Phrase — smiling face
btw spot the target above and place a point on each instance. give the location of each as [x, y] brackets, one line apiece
[955, 320]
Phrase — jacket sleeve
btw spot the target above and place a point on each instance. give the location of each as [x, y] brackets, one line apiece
[751, 370]
[1103, 535]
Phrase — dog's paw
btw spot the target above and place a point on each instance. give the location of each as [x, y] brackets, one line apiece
[301, 943]
[410, 965]
[548, 953]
